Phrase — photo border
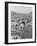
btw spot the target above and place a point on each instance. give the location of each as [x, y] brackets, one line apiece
[6, 22]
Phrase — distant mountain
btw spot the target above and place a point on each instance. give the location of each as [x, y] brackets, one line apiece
[27, 16]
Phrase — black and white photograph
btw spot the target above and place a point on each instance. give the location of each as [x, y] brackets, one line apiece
[21, 22]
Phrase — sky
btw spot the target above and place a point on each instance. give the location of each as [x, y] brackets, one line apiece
[21, 9]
